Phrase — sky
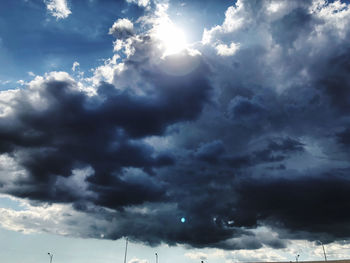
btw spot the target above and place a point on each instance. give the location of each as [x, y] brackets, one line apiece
[198, 130]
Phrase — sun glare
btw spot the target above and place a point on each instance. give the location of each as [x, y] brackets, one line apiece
[172, 38]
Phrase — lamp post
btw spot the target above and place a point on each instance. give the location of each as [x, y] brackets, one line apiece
[156, 257]
[324, 251]
[297, 258]
[126, 249]
[51, 256]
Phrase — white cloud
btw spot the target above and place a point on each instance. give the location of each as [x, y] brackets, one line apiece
[207, 255]
[107, 71]
[142, 3]
[335, 16]
[4, 82]
[197, 255]
[58, 8]
[75, 65]
[122, 28]
[225, 50]
[137, 260]
[274, 7]
[264, 254]
[59, 219]
[21, 82]
[234, 19]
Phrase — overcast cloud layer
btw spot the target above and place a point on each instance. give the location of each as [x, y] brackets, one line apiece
[248, 129]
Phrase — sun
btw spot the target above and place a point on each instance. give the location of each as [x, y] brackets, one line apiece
[172, 39]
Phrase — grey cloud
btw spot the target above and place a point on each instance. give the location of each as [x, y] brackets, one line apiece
[237, 130]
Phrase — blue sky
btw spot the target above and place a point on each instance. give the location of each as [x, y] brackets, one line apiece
[35, 41]
[120, 118]
[32, 40]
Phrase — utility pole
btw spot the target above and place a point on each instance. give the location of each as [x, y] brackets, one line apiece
[51, 256]
[324, 251]
[126, 249]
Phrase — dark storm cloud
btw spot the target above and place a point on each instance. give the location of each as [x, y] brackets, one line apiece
[234, 176]
[233, 144]
[315, 204]
[210, 152]
[276, 150]
[336, 82]
[75, 130]
[344, 137]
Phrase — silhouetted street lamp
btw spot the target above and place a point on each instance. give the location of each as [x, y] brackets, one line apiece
[156, 257]
[126, 249]
[297, 258]
[51, 256]
[324, 251]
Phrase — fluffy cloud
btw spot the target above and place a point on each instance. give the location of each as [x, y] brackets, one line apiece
[196, 255]
[224, 50]
[58, 8]
[249, 144]
[142, 3]
[122, 28]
